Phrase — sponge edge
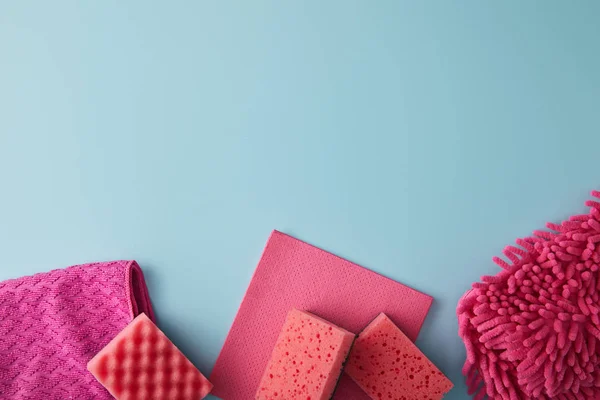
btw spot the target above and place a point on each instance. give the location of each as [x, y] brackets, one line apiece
[307, 360]
[141, 363]
[387, 365]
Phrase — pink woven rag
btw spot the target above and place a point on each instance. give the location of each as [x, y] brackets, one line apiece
[52, 324]
[294, 274]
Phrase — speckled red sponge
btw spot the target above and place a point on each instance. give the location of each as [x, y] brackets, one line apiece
[387, 365]
[307, 359]
[141, 363]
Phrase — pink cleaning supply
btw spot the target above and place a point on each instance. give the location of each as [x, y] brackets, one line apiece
[387, 365]
[307, 360]
[52, 323]
[291, 274]
[141, 363]
[533, 330]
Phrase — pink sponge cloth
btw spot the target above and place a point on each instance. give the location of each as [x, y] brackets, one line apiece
[141, 363]
[387, 365]
[307, 360]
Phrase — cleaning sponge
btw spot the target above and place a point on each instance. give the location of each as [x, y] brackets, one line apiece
[141, 363]
[387, 365]
[307, 360]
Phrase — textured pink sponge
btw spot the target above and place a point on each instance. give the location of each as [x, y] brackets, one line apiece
[387, 365]
[533, 330]
[141, 363]
[307, 359]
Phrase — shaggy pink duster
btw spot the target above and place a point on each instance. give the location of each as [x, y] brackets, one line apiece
[533, 330]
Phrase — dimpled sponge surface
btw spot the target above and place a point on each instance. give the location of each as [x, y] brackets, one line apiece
[387, 365]
[141, 363]
[307, 359]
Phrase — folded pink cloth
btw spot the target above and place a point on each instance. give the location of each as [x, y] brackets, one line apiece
[52, 324]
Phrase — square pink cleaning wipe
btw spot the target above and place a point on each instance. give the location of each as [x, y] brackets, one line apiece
[294, 274]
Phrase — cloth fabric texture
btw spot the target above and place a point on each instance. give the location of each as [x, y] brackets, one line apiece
[52, 324]
[294, 274]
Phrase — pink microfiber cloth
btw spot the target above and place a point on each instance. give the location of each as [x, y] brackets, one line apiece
[293, 274]
[533, 330]
[52, 324]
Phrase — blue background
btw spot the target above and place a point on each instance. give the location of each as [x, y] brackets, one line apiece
[414, 138]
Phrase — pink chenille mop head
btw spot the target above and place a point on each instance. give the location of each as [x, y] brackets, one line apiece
[533, 330]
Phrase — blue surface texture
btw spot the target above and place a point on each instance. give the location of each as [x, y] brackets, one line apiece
[416, 138]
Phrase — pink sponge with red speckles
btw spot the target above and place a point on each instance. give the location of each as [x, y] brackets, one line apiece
[141, 363]
[387, 365]
[307, 360]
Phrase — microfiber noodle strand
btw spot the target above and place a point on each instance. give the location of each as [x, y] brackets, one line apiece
[533, 330]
